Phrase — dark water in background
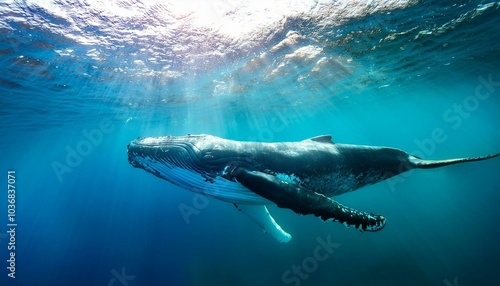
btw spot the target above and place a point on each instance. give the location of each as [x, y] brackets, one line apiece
[422, 76]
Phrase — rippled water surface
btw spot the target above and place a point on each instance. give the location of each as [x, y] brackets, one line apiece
[422, 76]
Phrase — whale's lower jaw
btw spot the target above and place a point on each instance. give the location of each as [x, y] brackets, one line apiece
[217, 187]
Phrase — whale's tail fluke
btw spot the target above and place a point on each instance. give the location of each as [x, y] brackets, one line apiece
[428, 164]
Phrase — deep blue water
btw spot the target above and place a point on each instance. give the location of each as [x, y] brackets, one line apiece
[423, 76]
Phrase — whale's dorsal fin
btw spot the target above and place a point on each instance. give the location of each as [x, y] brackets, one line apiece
[322, 139]
[261, 216]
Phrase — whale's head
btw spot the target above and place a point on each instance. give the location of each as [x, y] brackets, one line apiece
[198, 163]
[164, 156]
[187, 161]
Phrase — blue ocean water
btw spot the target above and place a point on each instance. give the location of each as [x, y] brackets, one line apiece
[81, 79]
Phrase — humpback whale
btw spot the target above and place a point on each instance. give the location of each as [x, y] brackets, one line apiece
[301, 176]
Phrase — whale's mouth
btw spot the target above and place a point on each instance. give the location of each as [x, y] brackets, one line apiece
[179, 161]
[155, 154]
[142, 148]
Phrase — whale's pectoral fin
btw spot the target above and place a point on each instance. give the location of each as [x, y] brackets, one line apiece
[304, 201]
[261, 216]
